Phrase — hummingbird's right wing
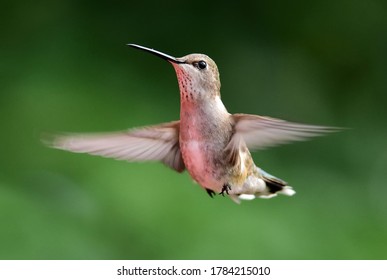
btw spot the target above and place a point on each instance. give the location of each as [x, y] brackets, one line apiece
[261, 132]
[153, 143]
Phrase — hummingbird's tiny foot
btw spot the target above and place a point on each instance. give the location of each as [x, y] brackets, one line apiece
[226, 188]
[211, 193]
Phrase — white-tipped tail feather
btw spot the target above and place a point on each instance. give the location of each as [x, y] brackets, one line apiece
[287, 190]
[267, 186]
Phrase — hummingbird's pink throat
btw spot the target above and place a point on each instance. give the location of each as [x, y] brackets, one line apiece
[185, 84]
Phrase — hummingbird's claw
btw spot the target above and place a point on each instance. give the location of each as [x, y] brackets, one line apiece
[211, 193]
[226, 188]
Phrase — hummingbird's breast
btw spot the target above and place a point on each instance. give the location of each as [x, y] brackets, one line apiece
[204, 134]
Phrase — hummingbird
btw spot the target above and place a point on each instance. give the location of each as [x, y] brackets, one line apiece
[210, 143]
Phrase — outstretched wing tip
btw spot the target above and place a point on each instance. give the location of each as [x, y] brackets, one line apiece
[52, 140]
[153, 143]
[260, 132]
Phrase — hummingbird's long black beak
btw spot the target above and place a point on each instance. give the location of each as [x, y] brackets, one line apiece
[157, 53]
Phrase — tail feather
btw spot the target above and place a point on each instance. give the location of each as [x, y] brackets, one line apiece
[271, 187]
[276, 185]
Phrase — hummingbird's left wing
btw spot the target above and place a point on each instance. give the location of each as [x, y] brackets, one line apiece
[153, 143]
[261, 132]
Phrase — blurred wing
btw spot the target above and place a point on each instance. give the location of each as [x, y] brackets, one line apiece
[153, 143]
[261, 132]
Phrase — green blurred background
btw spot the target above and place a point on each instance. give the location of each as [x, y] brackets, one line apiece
[64, 66]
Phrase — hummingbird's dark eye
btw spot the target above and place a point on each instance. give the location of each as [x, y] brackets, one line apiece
[202, 64]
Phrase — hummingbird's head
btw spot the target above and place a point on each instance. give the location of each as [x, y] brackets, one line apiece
[198, 77]
[197, 74]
